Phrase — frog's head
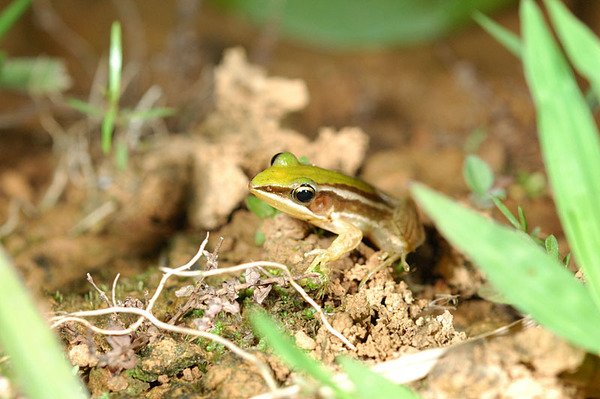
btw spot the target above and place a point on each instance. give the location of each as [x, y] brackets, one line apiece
[287, 185]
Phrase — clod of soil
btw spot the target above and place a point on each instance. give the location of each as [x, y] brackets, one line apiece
[384, 321]
[524, 365]
[234, 379]
[167, 357]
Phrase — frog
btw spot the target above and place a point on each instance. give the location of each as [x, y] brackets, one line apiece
[344, 205]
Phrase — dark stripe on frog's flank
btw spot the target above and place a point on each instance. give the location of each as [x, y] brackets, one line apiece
[371, 198]
[350, 206]
[327, 201]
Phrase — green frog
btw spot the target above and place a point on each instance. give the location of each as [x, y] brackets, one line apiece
[344, 205]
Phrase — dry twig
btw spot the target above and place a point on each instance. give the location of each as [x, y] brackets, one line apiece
[146, 314]
[282, 267]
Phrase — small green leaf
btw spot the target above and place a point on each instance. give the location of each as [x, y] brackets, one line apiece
[259, 238]
[551, 245]
[369, 384]
[478, 175]
[259, 207]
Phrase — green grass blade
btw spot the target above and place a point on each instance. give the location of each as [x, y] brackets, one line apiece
[569, 141]
[507, 213]
[115, 64]
[519, 269]
[36, 358]
[107, 128]
[121, 154]
[147, 114]
[283, 346]
[11, 14]
[84, 107]
[523, 225]
[372, 385]
[511, 41]
[580, 43]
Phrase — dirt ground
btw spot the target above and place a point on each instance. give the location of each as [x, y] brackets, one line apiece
[391, 116]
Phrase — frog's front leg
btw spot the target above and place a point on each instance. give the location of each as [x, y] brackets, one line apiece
[349, 237]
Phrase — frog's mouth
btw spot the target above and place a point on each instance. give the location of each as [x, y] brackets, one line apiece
[279, 198]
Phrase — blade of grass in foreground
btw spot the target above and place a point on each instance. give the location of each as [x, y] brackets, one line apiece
[36, 358]
[366, 382]
[370, 384]
[521, 271]
[291, 355]
[580, 43]
[345, 24]
[569, 140]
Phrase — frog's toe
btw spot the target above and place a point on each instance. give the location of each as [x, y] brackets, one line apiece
[316, 251]
[319, 265]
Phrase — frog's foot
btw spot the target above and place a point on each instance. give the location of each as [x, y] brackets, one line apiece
[319, 264]
[316, 251]
[388, 260]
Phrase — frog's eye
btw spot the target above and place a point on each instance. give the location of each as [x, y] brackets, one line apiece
[275, 157]
[304, 193]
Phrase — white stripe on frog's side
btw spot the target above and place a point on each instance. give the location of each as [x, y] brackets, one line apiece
[360, 220]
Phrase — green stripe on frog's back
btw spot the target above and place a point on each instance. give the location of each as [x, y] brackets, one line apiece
[286, 176]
